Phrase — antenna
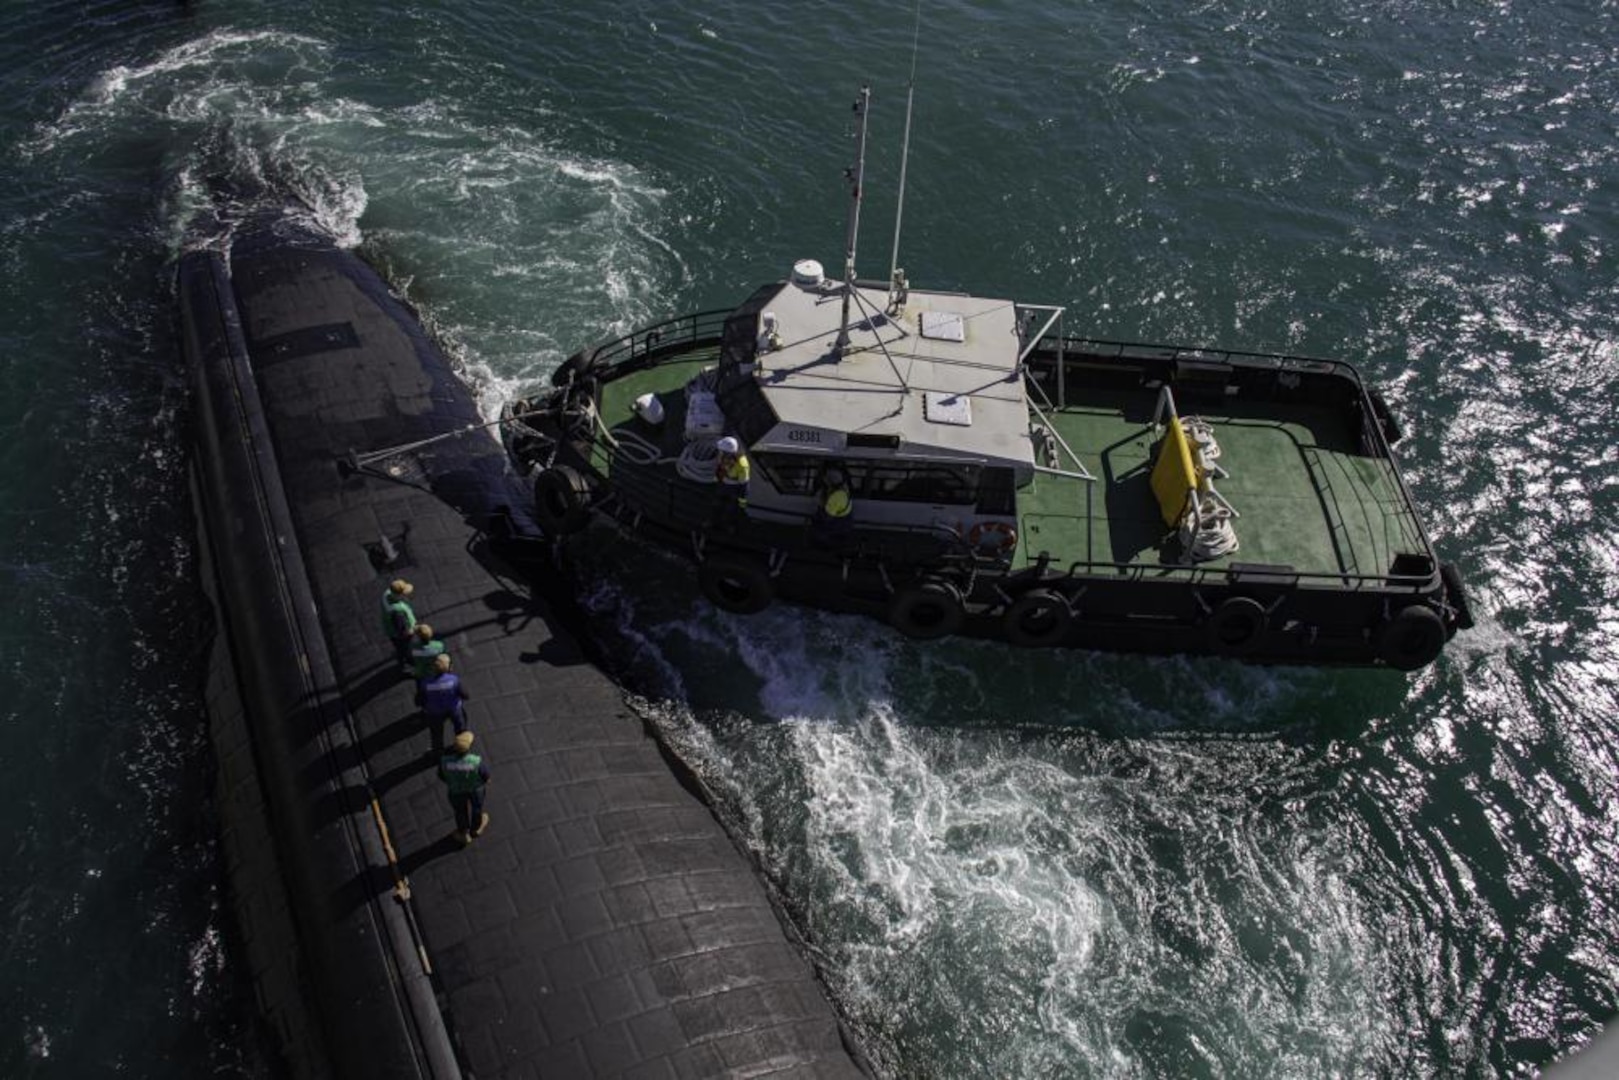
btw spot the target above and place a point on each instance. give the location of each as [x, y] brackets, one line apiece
[897, 287]
[856, 177]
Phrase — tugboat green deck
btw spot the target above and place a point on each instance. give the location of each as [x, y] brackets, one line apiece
[1002, 477]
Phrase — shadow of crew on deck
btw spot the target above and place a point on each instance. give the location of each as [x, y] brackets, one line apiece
[377, 679]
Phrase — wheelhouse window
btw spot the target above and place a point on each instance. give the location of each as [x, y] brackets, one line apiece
[929, 482]
[923, 482]
[792, 474]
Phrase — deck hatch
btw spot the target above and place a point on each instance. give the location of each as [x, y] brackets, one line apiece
[942, 408]
[944, 326]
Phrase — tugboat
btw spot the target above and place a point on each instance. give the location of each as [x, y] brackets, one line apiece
[956, 464]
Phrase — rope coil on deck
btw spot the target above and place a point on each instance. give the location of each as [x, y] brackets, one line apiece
[1207, 533]
[697, 460]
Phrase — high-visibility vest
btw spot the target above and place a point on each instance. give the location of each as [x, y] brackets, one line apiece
[460, 772]
[421, 657]
[398, 618]
[735, 471]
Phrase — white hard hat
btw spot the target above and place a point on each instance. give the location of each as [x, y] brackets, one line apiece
[728, 445]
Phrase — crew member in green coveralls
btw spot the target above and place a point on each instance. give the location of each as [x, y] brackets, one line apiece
[423, 649]
[465, 774]
[399, 619]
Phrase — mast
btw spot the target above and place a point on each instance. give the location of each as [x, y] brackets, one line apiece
[896, 286]
[856, 177]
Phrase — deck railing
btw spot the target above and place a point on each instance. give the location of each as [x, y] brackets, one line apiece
[1233, 573]
[1070, 348]
[674, 334]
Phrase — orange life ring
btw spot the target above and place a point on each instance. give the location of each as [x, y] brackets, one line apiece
[979, 533]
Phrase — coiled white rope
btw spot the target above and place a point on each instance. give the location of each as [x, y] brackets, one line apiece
[1201, 432]
[1206, 533]
[697, 460]
[636, 450]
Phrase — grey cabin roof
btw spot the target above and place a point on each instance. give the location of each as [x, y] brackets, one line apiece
[941, 374]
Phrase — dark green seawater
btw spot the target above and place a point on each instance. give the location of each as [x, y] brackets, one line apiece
[1009, 864]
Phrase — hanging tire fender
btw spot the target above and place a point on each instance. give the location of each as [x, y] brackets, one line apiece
[561, 500]
[1236, 626]
[735, 584]
[1411, 639]
[927, 610]
[1037, 618]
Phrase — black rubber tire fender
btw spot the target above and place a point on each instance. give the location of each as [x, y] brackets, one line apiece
[1456, 595]
[1038, 618]
[736, 584]
[927, 611]
[1236, 626]
[1412, 639]
[561, 500]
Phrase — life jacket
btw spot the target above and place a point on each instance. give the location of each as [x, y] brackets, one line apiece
[836, 503]
[441, 695]
[735, 471]
[460, 772]
[421, 657]
[397, 612]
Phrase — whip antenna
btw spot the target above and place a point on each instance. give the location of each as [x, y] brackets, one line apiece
[897, 296]
[857, 183]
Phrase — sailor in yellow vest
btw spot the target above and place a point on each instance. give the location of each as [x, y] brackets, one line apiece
[833, 525]
[732, 470]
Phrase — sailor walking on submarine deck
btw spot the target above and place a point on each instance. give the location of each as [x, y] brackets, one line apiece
[465, 774]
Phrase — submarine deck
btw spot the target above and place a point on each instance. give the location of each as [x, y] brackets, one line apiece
[606, 924]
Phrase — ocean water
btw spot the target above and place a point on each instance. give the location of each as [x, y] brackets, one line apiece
[1007, 864]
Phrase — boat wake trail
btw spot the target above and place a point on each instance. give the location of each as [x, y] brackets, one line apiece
[511, 246]
[991, 874]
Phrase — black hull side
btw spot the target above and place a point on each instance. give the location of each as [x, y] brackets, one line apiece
[1255, 615]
